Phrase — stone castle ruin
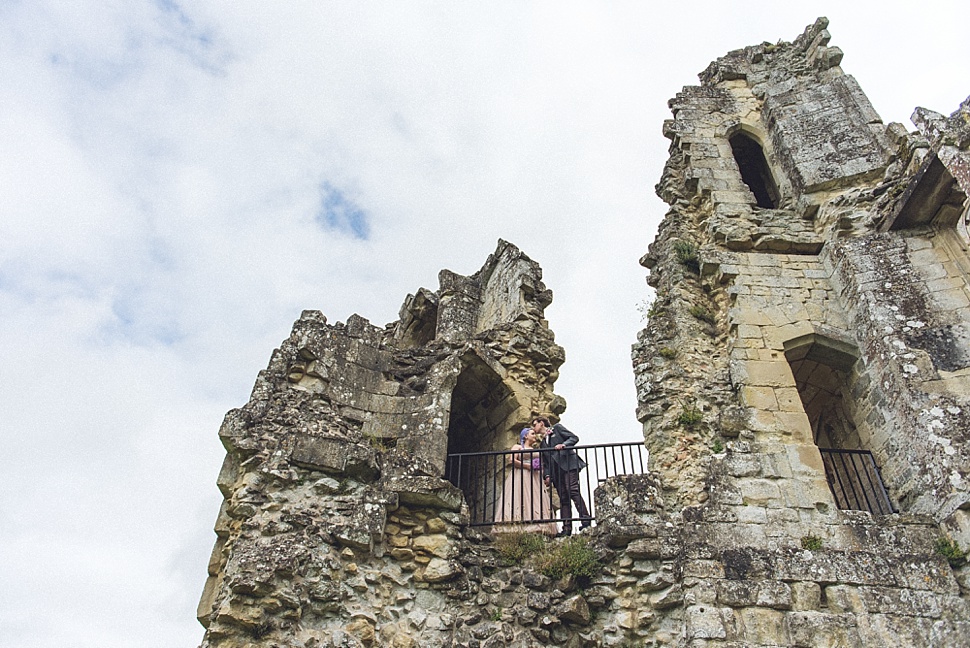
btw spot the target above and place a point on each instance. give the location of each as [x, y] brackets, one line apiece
[803, 383]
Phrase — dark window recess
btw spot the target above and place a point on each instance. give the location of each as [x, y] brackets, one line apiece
[823, 370]
[754, 170]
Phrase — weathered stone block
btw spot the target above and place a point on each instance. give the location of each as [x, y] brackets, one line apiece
[228, 475]
[805, 460]
[795, 424]
[742, 465]
[890, 600]
[237, 433]
[805, 494]
[758, 492]
[844, 598]
[759, 397]
[704, 623]
[951, 632]
[437, 545]
[573, 610]
[806, 596]
[812, 629]
[751, 515]
[335, 456]
[425, 491]
[882, 629]
[775, 465]
[951, 299]
[768, 374]
[789, 400]
[437, 570]
[205, 608]
[703, 569]
[657, 580]
[669, 598]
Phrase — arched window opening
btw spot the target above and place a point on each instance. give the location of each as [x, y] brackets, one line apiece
[823, 368]
[754, 170]
[482, 412]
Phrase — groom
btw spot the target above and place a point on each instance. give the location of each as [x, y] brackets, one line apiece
[562, 469]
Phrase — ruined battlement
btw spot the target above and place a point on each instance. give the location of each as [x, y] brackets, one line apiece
[351, 421]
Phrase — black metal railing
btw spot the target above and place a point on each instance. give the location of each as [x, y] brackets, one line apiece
[507, 487]
[855, 481]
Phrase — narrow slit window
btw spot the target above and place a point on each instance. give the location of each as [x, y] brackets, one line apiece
[754, 170]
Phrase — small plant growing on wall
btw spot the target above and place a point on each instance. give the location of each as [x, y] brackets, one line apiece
[701, 313]
[950, 550]
[651, 308]
[811, 542]
[717, 447]
[380, 444]
[686, 253]
[689, 415]
[668, 352]
[572, 557]
[516, 547]
[643, 307]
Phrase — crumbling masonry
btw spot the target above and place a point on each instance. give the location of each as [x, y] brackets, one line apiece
[813, 306]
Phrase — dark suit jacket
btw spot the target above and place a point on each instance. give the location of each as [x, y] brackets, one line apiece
[565, 459]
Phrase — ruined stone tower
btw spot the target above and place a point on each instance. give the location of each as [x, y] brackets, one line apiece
[812, 292]
[350, 426]
[803, 383]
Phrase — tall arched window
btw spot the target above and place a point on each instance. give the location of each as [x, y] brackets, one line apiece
[823, 370]
[754, 170]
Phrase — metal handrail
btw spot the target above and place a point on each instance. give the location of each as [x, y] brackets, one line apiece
[483, 476]
[855, 481]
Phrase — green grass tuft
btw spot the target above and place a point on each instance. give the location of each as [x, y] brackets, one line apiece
[668, 352]
[950, 550]
[572, 557]
[702, 314]
[686, 253]
[689, 414]
[516, 547]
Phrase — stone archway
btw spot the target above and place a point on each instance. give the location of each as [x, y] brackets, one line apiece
[823, 370]
[485, 417]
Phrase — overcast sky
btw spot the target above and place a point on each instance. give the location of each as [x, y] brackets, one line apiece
[179, 181]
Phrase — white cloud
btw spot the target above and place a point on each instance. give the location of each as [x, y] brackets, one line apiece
[165, 165]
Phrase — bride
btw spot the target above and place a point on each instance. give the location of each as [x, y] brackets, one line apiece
[524, 497]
